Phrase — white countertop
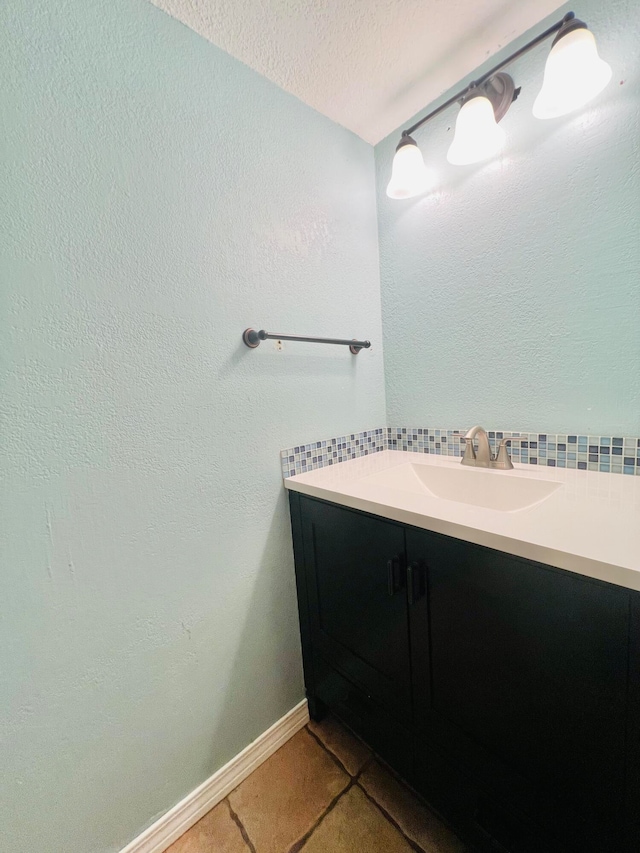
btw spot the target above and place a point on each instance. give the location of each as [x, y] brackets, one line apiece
[591, 525]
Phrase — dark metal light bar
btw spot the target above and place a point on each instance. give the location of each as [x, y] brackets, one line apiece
[477, 83]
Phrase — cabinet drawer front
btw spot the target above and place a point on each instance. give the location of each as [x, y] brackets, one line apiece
[384, 734]
[357, 599]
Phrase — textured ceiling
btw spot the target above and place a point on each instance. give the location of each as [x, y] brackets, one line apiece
[367, 64]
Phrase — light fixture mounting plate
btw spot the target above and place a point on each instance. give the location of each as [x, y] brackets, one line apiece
[501, 91]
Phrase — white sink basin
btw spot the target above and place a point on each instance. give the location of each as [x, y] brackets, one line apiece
[500, 490]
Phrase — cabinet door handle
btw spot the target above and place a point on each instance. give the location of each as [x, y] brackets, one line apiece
[415, 582]
[394, 577]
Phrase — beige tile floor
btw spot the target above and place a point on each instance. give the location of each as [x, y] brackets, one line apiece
[322, 792]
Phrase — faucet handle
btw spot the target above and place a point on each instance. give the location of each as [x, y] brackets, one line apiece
[503, 460]
[469, 450]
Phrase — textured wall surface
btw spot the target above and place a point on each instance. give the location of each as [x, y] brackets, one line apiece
[511, 295]
[367, 64]
[159, 198]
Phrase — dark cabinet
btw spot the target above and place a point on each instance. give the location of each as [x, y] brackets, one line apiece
[357, 605]
[506, 691]
[350, 575]
[521, 671]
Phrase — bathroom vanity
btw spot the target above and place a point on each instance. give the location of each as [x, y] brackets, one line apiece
[504, 687]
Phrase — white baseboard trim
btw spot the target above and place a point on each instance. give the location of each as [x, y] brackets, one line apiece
[184, 814]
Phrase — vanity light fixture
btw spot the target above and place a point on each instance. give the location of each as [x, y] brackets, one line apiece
[477, 135]
[409, 176]
[574, 74]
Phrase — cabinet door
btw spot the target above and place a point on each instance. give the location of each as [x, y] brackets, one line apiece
[633, 730]
[521, 666]
[354, 565]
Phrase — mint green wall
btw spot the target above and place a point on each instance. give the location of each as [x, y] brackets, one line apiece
[157, 198]
[511, 297]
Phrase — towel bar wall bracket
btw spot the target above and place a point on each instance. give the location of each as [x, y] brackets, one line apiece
[252, 339]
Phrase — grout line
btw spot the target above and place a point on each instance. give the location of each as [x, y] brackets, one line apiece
[364, 767]
[416, 794]
[414, 845]
[240, 825]
[298, 845]
[355, 780]
[330, 753]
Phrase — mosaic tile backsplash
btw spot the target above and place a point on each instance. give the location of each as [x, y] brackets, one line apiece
[608, 454]
[319, 454]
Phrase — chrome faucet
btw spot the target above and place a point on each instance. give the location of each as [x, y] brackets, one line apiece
[482, 457]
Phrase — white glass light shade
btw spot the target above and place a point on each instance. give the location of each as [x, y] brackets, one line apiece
[573, 75]
[409, 175]
[477, 135]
